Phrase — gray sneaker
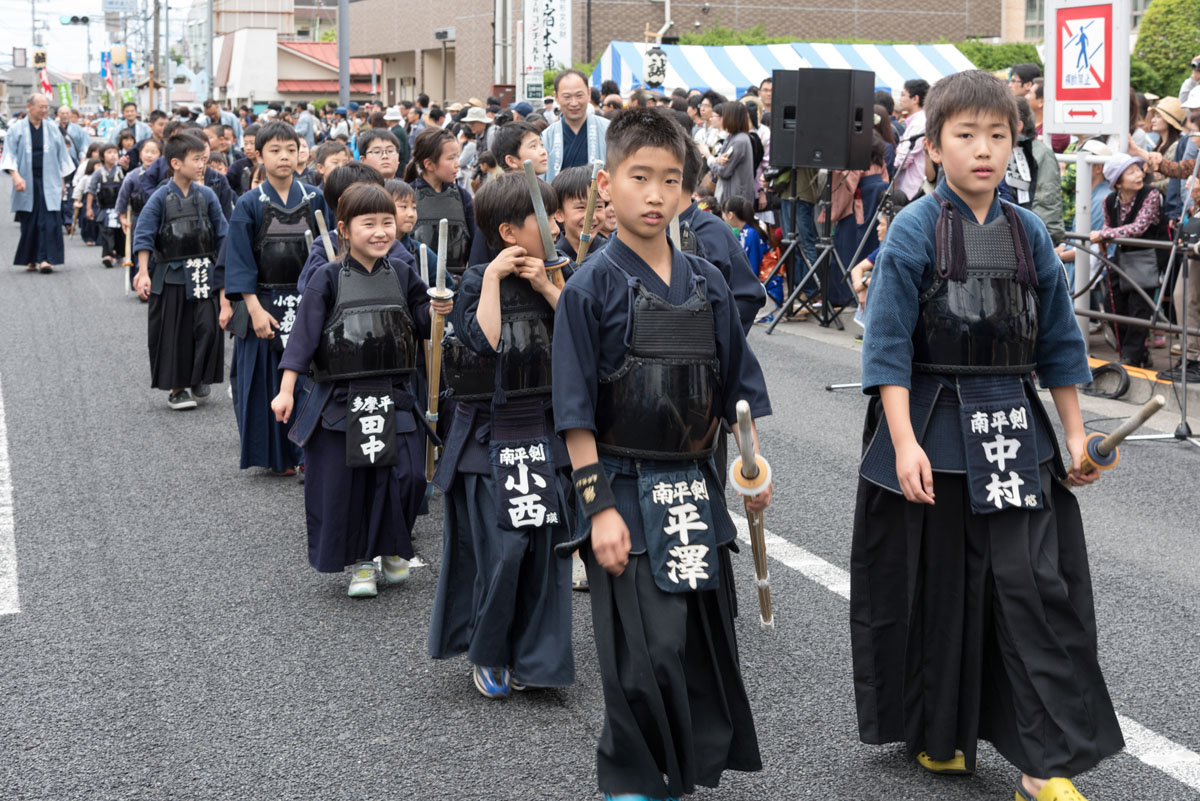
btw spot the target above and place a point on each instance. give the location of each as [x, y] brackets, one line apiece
[363, 581]
[395, 569]
[180, 400]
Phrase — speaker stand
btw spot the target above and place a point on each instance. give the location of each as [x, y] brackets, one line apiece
[826, 256]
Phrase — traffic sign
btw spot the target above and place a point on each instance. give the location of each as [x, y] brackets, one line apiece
[1087, 67]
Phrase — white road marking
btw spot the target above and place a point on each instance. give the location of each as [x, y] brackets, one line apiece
[1155, 750]
[10, 602]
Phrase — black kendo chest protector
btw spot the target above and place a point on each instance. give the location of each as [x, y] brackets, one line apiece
[980, 314]
[432, 207]
[370, 331]
[185, 232]
[661, 403]
[524, 360]
[280, 245]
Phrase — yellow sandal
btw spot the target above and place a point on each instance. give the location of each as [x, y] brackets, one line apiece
[1057, 789]
[957, 766]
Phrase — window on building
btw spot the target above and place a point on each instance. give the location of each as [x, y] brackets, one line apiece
[1139, 10]
[1035, 14]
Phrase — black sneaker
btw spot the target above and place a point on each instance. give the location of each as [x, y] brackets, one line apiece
[107, 261]
[201, 391]
[180, 400]
[1176, 372]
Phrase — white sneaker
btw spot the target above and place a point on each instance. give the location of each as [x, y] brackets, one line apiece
[579, 581]
[395, 569]
[363, 581]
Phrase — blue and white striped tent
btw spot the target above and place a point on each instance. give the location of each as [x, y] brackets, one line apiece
[731, 69]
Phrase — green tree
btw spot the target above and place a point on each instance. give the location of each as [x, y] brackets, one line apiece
[585, 67]
[329, 35]
[719, 35]
[1168, 40]
[993, 57]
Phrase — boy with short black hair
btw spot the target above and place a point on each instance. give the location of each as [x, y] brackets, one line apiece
[572, 185]
[517, 141]
[503, 596]
[218, 162]
[652, 525]
[514, 142]
[327, 157]
[380, 149]
[968, 299]
[242, 171]
[182, 225]
[266, 252]
[103, 189]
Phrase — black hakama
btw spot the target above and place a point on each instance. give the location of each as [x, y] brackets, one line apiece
[676, 711]
[671, 682]
[264, 440]
[1001, 647]
[41, 231]
[185, 340]
[355, 514]
[503, 597]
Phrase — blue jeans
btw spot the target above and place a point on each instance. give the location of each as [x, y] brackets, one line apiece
[805, 221]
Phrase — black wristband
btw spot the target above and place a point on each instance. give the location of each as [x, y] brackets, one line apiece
[593, 489]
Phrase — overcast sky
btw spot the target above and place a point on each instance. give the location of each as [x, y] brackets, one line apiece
[66, 45]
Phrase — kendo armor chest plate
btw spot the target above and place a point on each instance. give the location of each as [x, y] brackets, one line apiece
[185, 231]
[662, 401]
[280, 247]
[526, 335]
[370, 331]
[432, 207]
[985, 325]
[107, 193]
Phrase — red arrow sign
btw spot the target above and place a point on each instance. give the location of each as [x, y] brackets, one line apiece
[1076, 113]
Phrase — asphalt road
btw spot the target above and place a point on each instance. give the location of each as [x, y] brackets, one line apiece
[172, 642]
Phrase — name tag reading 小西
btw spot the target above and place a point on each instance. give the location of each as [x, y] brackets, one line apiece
[526, 492]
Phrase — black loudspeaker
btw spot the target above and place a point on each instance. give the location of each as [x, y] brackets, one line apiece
[822, 118]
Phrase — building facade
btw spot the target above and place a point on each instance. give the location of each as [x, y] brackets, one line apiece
[1024, 20]
[403, 35]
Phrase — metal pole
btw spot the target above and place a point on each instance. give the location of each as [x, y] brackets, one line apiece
[1083, 222]
[212, 34]
[167, 62]
[155, 65]
[443, 72]
[343, 40]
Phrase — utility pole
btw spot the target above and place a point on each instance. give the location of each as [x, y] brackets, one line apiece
[212, 80]
[343, 39]
[154, 64]
[167, 62]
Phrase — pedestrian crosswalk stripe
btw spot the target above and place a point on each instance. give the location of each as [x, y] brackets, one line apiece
[1157, 751]
[9, 600]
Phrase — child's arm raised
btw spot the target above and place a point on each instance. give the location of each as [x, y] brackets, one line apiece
[488, 311]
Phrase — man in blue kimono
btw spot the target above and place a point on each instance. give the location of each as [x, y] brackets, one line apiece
[129, 114]
[577, 138]
[76, 138]
[37, 158]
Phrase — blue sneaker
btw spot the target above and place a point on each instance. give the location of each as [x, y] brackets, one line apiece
[491, 682]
